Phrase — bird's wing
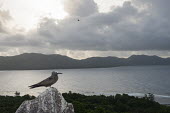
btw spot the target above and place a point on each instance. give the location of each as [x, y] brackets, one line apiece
[46, 81]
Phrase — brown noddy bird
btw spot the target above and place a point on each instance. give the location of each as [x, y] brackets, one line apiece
[48, 81]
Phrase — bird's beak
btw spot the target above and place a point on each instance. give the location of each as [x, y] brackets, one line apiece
[59, 73]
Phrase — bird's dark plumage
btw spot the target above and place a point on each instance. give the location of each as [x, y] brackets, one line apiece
[48, 81]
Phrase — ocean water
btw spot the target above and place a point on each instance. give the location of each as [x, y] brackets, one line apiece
[133, 80]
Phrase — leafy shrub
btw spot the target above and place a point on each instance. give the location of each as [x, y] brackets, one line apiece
[115, 104]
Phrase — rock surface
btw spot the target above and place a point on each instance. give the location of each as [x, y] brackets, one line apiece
[50, 101]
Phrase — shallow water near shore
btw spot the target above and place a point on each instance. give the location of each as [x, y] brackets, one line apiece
[133, 80]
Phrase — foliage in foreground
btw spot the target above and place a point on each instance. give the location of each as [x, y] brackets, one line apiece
[9, 104]
[94, 104]
[115, 104]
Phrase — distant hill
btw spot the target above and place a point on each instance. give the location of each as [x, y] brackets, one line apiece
[36, 61]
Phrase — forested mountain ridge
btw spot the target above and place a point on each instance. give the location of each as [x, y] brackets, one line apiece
[35, 61]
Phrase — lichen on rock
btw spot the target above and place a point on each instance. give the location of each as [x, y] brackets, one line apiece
[50, 101]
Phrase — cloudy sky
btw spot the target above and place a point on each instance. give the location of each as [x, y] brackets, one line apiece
[106, 27]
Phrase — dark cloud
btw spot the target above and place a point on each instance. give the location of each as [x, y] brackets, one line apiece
[125, 28]
[137, 25]
[80, 8]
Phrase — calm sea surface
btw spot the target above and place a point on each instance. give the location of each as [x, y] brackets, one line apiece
[133, 80]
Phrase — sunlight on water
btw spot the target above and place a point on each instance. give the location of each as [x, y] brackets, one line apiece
[108, 81]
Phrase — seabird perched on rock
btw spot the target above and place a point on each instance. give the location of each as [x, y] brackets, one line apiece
[48, 81]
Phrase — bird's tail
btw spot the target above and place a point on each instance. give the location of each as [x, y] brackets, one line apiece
[34, 86]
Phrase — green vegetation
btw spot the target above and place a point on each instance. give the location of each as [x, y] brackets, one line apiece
[9, 104]
[115, 104]
[36, 61]
[95, 104]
